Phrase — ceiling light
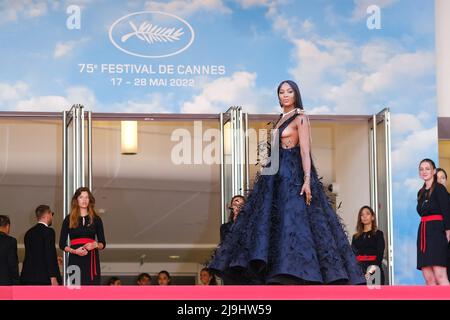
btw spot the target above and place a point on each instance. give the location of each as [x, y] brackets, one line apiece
[129, 137]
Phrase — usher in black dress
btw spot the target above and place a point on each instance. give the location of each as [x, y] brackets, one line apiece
[369, 250]
[85, 232]
[432, 244]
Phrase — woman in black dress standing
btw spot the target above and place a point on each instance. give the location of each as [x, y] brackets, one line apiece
[287, 232]
[86, 236]
[368, 243]
[442, 179]
[434, 229]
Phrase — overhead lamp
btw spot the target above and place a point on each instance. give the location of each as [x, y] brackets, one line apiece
[129, 137]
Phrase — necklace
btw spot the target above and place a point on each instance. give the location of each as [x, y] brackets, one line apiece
[285, 114]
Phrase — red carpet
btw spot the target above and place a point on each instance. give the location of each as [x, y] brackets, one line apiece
[227, 293]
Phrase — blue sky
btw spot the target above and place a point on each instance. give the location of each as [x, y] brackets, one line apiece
[341, 66]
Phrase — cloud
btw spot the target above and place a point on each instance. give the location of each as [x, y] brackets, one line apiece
[307, 26]
[404, 123]
[412, 185]
[411, 142]
[63, 49]
[323, 68]
[18, 97]
[406, 261]
[36, 9]
[42, 103]
[222, 93]
[189, 7]
[352, 78]
[12, 92]
[282, 23]
[347, 77]
[360, 10]
[401, 70]
[314, 58]
[13, 10]
[81, 95]
[332, 17]
[253, 3]
[319, 110]
[74, 95]
[376, 53]
[153, 103]
[347, 97]
[416, 146]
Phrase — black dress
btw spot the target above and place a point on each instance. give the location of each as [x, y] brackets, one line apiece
[279, 239]
[90, 264]
[448, 248]
[369, 250]
[432, 244]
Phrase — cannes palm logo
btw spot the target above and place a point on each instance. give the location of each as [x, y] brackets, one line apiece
[151, 34]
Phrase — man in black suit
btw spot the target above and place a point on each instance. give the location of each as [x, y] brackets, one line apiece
[9, 263]
[40, 266]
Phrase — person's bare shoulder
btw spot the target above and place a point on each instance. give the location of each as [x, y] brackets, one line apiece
[301, 119]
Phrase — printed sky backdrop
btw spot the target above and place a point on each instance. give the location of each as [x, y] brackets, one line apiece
[341, 65]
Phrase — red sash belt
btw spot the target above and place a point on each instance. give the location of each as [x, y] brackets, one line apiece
[423, 229]
[84, 241]
[366, 258]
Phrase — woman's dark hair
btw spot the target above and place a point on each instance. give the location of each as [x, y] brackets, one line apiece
[112, 280]
[443, 171]
[230, 216]
[423, 189]
[360, 225]
[213, 281]
[294, 86]
[167, 274]
[142, 276]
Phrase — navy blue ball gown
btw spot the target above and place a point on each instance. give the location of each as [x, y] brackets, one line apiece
[278, 239]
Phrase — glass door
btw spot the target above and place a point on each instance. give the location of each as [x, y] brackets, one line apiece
[381, 183]
[77, 159]
[234, 163]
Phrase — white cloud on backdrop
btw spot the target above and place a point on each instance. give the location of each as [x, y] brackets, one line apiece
[19, 97]
[11, 11]
[189, 7]
[66, 48]
[405, 261]
[360, 10]
[218, 95]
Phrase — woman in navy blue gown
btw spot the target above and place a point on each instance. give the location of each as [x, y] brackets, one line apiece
[288, 232]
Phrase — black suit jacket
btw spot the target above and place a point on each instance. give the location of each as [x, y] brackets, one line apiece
[9, 263]
[40, 262]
